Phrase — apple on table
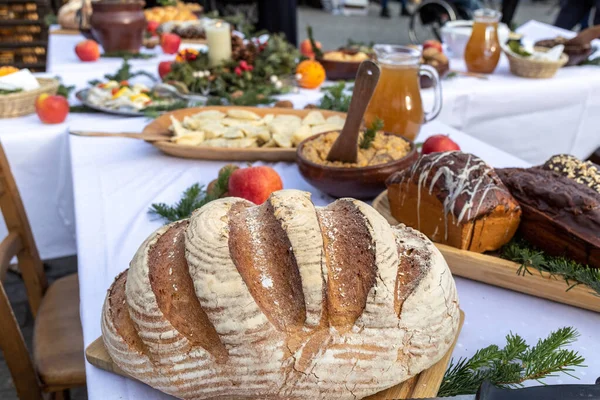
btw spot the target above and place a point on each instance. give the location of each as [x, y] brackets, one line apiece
[438, 144]
[51, 109]
[306, 48]
[164, 67]
[254, 183]
[170, 42]
[87, 50]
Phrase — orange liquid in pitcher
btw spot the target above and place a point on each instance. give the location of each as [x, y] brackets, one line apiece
[397, 101]
[483, 49]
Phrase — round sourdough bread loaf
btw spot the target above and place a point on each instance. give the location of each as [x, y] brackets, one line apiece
[281, 301]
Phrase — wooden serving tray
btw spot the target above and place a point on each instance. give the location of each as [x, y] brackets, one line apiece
[503, 273]
[62, 31]
[160, 126]
[424, 385]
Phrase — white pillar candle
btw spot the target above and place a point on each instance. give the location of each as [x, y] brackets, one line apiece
[218, 36]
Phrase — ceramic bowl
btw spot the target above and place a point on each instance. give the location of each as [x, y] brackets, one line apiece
[363, 183]
[339, 70]
[456, 34]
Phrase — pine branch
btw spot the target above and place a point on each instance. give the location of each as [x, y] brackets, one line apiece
[154, 111]
[519, 251]
[64, 90]
[370, 133]
[313, 44]
[335, 98]
[127, 55]
[516, 363]
[548, 356]
[82, 109]
[193, 198]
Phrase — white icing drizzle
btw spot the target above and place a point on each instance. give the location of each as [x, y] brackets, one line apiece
[463, 182]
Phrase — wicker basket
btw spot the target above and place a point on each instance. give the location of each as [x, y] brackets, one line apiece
[538, 69]
[23, 103]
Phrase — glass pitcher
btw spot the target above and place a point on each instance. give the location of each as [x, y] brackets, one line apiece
[397, 97]
[482, 52]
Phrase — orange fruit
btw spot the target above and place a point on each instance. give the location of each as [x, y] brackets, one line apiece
[310, 74]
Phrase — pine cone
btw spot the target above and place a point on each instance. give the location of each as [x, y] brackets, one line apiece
[241, 51]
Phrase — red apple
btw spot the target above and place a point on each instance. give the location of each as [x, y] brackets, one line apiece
[170, 43]
[51, 109]
[255, 183]
[306, 48]
[152, 27]
[87, 50]
[433, 43]
[164, 68]
[439, 143]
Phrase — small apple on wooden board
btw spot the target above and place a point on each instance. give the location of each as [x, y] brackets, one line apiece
[439, 144]
[253, 183]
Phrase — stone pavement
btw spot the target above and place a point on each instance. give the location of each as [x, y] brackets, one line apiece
[332, 31]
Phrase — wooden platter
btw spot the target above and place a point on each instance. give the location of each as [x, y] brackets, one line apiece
[503, 273]
[422, 386]
[62, 31]
[160, 126]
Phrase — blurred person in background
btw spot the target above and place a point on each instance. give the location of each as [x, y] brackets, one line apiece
[385, 12]
[573, 12]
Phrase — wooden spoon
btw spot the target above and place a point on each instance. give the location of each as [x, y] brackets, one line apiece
[131, 135]
[345, 148]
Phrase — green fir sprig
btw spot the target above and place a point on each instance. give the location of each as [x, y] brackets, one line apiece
[154, 111]
[81, 109]
[10, 91]
[127, 55]
[316, 50]
[335, 98]
[228, 83]
[370, 133]
[124, 73]
[514, 364]
[64, 90]
[193, 197]
[574, 273]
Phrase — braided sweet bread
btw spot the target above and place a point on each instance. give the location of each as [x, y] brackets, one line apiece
[281, 301]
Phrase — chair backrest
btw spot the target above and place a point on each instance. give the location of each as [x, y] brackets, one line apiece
[20, 243]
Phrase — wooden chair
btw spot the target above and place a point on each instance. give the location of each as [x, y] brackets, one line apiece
[58, 358]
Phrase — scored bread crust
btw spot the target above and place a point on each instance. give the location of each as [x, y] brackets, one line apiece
[281, 301]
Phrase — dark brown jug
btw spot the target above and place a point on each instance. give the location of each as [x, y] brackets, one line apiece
[118, 25]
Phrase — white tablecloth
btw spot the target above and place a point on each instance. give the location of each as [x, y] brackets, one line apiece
[115, 181]
[529, 118]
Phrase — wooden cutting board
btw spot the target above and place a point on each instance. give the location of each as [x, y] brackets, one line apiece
[424, 385]
[160, 126]
[503, 273]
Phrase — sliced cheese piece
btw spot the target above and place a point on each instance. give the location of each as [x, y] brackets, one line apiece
[313, 118]
[209, 114]
[300, 134]
[242, 114]
[233, 132]
[190, 140]
[261, 133]
[267, 119]
[324, 128]
[336, 120]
